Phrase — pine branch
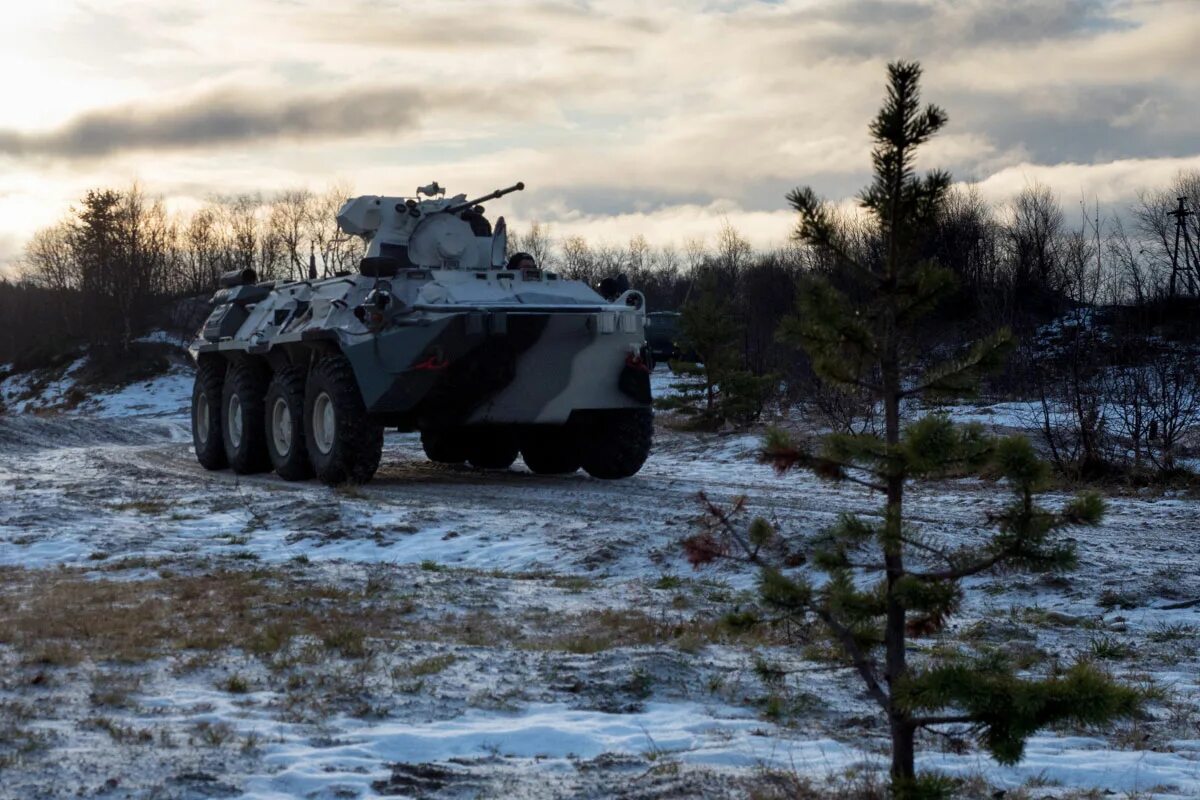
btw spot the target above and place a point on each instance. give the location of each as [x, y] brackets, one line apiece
[876, 487]
[959, 375]
[726, 525]
[964, 572]
[816, 229]
[1014, 549]
[864, 664]
[919, 545]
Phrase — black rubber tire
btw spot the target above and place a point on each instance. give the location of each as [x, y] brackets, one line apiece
[355, 442]
[206, 403]
[615, 444]
[550, 450]
[491, 448]
[445, 445]
[246, 383]
[287, 390]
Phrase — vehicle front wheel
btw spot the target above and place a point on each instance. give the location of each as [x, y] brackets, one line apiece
[206, 414]
[344, 445]
[285, 425]
[243, 421]
[615, 443]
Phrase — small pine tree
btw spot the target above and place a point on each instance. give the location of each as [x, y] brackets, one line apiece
[917, 581]
[719, 388]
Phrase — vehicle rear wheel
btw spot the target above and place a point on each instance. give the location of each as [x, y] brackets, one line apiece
[206, 414]
[615, 443]
[491, 448]
[550, 450]
[285, 425]
[243, 421]
[344, 445]
[444, 445]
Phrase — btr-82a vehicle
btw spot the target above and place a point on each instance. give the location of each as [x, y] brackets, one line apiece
[434, 333]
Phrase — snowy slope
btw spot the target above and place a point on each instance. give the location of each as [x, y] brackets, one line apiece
[491, 691]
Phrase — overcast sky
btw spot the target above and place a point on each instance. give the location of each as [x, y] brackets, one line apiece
[659, 118]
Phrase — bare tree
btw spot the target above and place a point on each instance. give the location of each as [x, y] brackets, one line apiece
[201, 257]
[732, 255]
[1133, 277]
[695, 254]
[578, 261]
[48, 258]
[1128, 391]
[1034, 237]
[1174, 403]
[337, 251]
[290, 222]
[537, 242]
[239, 228]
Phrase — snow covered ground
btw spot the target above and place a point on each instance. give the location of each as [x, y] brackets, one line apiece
[447, 632]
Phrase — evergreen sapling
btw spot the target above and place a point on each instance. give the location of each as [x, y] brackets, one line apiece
[884, 582]
[717, 387]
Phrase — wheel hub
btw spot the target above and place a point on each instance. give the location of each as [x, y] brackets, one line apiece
[235, 421]
[201, 419]
[281, 427]
[324, 423]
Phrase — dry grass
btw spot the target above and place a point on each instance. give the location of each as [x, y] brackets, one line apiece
[143, 506]
[114, 689]
[61, 617]
[58, 617]
[427, 666]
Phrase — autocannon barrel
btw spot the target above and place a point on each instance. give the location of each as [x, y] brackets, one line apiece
[516, 187]
[238, 277]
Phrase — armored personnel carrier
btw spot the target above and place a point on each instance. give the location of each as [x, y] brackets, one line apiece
[435, 333]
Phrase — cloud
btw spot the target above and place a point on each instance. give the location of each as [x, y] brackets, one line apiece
[643, 114]
[228, 117]
[670, 225]
[454, 28]
[1115, 182]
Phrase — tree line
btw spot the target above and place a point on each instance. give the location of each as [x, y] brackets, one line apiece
[115, 261]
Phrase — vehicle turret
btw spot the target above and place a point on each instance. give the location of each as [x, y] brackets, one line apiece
[434, 233]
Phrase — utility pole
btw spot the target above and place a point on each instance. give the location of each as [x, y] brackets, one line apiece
[1191, 260]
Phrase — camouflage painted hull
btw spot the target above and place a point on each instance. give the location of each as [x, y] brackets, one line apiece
[454, 348]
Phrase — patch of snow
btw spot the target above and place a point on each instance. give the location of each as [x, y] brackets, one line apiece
[164, 337]
[33, 397]
[1018, 415]
[119, 480]
[546, 736]
[1074, 761]
[167, 395]
[665, 383]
